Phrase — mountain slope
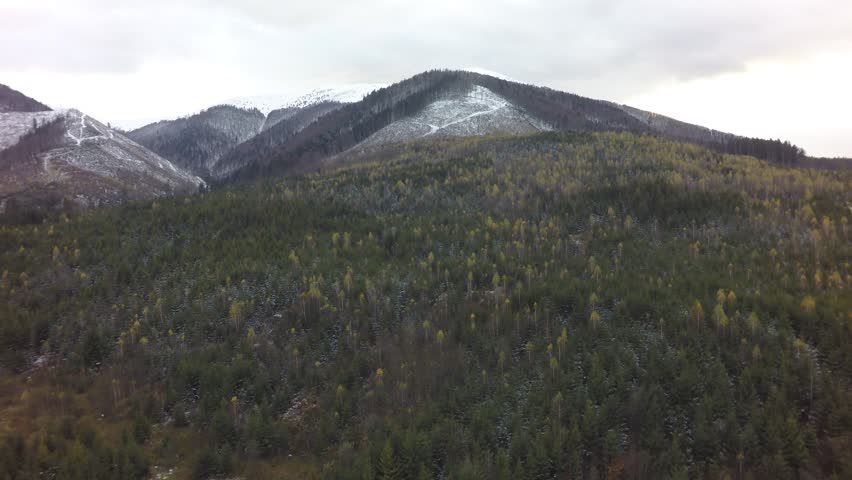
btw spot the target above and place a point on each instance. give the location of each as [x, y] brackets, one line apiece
[196, 142]
[476, 112]
[301, 116]
[467, 103]
[280, 127]
[438, 103]
[12, 100]
[449, 102]
[675, 128]
[69, 159]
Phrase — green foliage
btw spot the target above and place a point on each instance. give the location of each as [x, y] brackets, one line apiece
[212, 462]
[474, 308]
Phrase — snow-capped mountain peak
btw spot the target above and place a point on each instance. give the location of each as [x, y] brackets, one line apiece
[348, 93]
[490, 73]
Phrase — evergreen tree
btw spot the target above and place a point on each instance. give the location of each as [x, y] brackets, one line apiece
[388, 467]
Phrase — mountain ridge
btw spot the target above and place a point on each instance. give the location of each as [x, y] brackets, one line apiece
[431, 103]
[12, 100]
[353, 124]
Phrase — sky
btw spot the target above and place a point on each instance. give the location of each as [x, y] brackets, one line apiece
[768, 68]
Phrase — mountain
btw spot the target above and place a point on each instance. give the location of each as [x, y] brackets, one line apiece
[478, 111]
[67, 159]
[302, 116]
[434, 103]
[348, 93]
[471, 102]
[196, 142]
[298, 134]
[12, 100]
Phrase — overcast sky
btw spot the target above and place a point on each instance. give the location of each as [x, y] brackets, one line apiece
[770, 68]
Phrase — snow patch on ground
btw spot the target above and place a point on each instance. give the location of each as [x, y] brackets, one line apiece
[349, 93]
[478, 112]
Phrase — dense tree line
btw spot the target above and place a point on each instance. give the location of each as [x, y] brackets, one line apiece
[605, 305]
[777, 151]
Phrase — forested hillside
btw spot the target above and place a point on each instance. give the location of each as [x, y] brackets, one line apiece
[280, 127]
[603, 305]
[12, 100]
[196, 143]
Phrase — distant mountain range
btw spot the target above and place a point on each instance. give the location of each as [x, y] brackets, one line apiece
[444, 103]
[68, 156]
[197, 142]
[300, 134]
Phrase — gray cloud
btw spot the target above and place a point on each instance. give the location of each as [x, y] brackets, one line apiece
[574, 39]
[610, 49]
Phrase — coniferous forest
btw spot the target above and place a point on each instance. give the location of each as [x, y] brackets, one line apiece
[577, 306]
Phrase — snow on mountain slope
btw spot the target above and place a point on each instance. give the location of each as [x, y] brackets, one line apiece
[477, 112]
[341, 94]
[12, 100]
[96, 148]
[75, 157]
[490, 73]
[15, 125]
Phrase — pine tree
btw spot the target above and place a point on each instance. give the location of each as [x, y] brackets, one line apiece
[388, 468]
[423, 473]
[795, 451]
[503, 469]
